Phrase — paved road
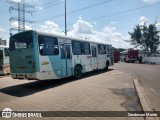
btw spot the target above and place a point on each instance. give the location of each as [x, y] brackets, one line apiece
[149, 77]
[96, 91]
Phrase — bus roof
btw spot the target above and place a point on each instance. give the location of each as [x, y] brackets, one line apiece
[62, 36]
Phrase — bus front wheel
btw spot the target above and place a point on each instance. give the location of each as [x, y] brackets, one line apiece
[77, 72]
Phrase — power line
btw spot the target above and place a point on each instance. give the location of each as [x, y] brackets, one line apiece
[53, 5]
[123, 12]
[101, 3]
[117, 13]
[74, 11]
[50, 5]
[50, 2]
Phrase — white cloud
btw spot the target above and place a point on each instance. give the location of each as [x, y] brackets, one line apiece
[27, 27]
[50, 27]
[158, 28]
[142, 20]
[2, 30]
[109, 34]
[26, 1]
[158, 25]
[35, 3]
[151, 1]
[83, 27]
[15, 25]
[31, 2]
[16, 0]
[113, 22]
[39, 8]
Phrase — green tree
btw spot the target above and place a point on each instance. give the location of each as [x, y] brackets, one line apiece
[145, 37]
[136, 37]
[153, 38]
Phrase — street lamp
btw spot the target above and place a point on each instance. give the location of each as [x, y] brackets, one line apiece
[65, 20]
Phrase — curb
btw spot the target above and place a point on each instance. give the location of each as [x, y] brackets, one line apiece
[143, 102]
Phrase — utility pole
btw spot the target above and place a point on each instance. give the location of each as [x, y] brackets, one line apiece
[21, 7]
[65, 20]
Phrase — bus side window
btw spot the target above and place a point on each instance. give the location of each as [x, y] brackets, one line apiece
[107, 49]
[56, 51]
[98, 47]
[94, 53]
[48, 45]
[86, 48]
[62, 52]
[76, 48]
[110, 50]
[65, 52]
[29, 45]
[68, 52]
[1, 58]
[101, 49]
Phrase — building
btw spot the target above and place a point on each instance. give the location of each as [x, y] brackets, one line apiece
[3, 42]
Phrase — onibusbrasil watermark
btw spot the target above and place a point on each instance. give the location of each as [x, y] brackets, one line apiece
[8, 113]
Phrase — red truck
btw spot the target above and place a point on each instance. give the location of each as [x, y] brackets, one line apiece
[129, 56]
[116, 56]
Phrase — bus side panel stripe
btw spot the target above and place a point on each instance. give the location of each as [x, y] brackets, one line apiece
[56, 65]
[35, 40]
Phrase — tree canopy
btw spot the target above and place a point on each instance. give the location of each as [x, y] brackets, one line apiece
[145, 37]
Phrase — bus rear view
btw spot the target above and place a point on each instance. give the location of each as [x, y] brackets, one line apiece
[116, 56]
[43, 56]
[132, 55]
[22, 55]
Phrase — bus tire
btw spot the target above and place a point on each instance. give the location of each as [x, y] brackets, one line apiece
[77, 72]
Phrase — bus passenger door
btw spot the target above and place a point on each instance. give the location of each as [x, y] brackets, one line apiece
[1, 57]
[94, 58]
[111, 55]
[65, 59]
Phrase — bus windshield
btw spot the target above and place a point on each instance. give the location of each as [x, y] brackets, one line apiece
[21, 41]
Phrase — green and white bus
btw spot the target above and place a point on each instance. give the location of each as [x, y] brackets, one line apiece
[42, 56]
[4, 60]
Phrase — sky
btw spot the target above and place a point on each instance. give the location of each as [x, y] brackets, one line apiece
[107, 21]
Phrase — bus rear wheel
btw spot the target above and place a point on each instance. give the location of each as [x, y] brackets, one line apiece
[77, 72]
